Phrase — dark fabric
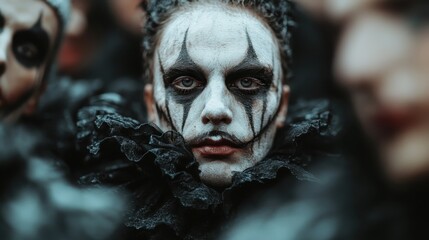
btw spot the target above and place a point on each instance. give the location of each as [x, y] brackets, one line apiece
[36, 200]
[38, 155]
[169, 201]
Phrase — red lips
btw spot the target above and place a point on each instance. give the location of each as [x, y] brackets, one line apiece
[389, 122]
[215, 149]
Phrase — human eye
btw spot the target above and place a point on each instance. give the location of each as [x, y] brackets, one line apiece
[186, 84]
[30, 48]
[27, 50]
[248, 85]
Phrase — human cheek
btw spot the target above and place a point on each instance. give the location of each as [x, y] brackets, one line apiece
[273, 103]
[192, 126]
[162, 107]
[18, 80]
[172, 114]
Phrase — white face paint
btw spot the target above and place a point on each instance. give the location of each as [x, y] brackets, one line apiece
[28, 29]
[218, 81]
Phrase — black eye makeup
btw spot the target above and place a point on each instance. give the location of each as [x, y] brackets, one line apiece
[186, 84]
[31, 46]
[247, 85]
[249, 79]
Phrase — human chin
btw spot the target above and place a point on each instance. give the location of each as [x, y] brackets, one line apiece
[218, 164]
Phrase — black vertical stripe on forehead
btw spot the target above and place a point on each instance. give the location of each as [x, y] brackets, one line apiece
[251, 54]
[184, 58]
[183, 65]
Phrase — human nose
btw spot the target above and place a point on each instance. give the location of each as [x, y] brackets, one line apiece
[216, 110]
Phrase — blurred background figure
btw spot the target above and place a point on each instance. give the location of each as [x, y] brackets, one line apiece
[37, 200]
[28, 46]
[381, 60]
[103, 40]
[380, 63]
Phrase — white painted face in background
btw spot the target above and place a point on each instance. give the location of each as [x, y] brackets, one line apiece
[217, 79]
[383, 62]
[28, 29]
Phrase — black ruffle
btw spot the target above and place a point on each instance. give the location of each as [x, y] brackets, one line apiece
[162, 176]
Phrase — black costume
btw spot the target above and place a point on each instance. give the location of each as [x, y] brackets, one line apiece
[168, 200]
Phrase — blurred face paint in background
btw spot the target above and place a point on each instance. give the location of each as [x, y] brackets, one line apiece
[26, 40]
[383, 61]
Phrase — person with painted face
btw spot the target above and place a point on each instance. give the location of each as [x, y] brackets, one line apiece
[219, 80]
[381, 63]
[216, 96]
[28, 44]
[389, 84]
[36, 197]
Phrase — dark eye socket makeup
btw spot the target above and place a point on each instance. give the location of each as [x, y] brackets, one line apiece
[247, 84]
[246, 78]
[186, 84]
[183, 71]
[259, 78]
[31, 46]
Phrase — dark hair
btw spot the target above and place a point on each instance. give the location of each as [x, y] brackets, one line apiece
[277, 13]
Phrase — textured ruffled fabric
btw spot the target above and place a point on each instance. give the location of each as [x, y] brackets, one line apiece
[169, 200]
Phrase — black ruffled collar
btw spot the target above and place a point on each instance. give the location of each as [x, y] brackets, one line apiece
[168, 200]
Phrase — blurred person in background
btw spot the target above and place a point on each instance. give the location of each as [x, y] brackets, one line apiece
[28, 47]
[37, 200]
[103, 40]
[381, 61]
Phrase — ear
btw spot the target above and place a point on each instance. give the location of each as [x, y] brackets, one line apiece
[281, 117]
[150, 103]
